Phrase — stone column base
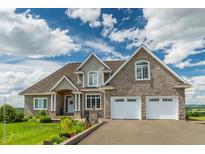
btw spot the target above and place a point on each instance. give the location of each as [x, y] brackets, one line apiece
[52, 113]
[77, 114]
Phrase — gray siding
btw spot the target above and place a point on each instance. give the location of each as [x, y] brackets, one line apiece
[28, 105]
[93, 65]
[64, 84]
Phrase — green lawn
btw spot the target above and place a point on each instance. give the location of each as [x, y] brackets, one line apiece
[201, 118]
[28, 133]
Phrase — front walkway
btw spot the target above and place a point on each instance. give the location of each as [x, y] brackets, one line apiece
[147, 132]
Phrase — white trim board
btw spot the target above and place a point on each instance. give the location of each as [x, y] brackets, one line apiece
[89, 58]
[155, 57]
[59, 81]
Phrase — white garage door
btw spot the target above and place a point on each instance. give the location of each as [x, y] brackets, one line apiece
[125, 108]
[162, 107]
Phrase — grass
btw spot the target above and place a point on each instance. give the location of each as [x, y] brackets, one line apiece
[28, 133]
[200, 118]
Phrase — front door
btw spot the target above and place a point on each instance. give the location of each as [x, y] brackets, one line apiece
[69, 104]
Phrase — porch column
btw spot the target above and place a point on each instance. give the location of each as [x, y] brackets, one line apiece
[76, 107]
[51, 102]
[54, 108]
[79, 101]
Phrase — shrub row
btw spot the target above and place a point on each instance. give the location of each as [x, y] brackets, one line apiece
[192, 114]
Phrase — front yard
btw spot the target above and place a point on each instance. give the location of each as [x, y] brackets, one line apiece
[29, 132]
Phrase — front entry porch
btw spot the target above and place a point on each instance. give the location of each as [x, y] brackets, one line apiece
[65, 103]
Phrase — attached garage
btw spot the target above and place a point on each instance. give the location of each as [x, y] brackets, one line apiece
[125, 108]
[162, 107]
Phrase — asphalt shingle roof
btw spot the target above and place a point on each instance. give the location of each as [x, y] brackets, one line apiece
[68, 70]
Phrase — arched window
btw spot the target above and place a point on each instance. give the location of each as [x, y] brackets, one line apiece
[92, 78]
[142, 70]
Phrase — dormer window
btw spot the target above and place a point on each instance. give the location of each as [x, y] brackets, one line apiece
[142, 70]
[92, 78]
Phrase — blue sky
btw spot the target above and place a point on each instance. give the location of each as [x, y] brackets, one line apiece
[36, 42]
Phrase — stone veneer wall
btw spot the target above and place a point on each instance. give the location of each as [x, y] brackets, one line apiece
[161, 83]
[100, 112]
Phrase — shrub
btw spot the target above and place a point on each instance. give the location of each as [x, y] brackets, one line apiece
[41, 113]
[77, 129]
[7, 113]
[44, 119]
[63, 117]
[72, 126]
[57, 139]
[195, 114]
[33, 119]
[66, 124]
[188, 114]
[20, 117]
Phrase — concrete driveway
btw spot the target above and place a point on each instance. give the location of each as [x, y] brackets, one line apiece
[147, 132]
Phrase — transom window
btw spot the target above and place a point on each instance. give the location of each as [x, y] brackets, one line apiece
[142, 70]
[154, 99]
[132, 100]
[40, 104]
[92, 78]
[167, 99]
[119, 100]
[93, 101]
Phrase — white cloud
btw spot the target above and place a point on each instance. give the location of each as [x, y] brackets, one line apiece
[188, 63]
[136, 35]
[183, 29]
[90, 16]
[196, 94]
[16, 77]
[102, 47]
[178, 31]
[108, 24]
[27, 35]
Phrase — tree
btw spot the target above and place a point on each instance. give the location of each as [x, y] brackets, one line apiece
[8, 113]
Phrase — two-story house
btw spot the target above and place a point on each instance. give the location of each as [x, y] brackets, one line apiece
[141, 87]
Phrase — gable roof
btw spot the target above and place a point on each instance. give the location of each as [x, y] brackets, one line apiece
[92, 55]
[64, 77]
[155, 57]
[45, 85]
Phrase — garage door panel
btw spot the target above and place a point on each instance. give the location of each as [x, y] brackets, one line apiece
[125, 108]
[162, 108]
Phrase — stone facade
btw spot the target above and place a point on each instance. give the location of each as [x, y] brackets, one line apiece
[83, 108]
[161, 83]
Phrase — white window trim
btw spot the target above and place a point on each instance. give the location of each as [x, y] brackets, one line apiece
[42, 104]
[139, 61]
[88, 79]
[91, 107]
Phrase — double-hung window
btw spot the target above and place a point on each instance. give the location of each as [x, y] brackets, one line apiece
[142, 70]
[40, 103]
[93, 101]
[92, 79]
